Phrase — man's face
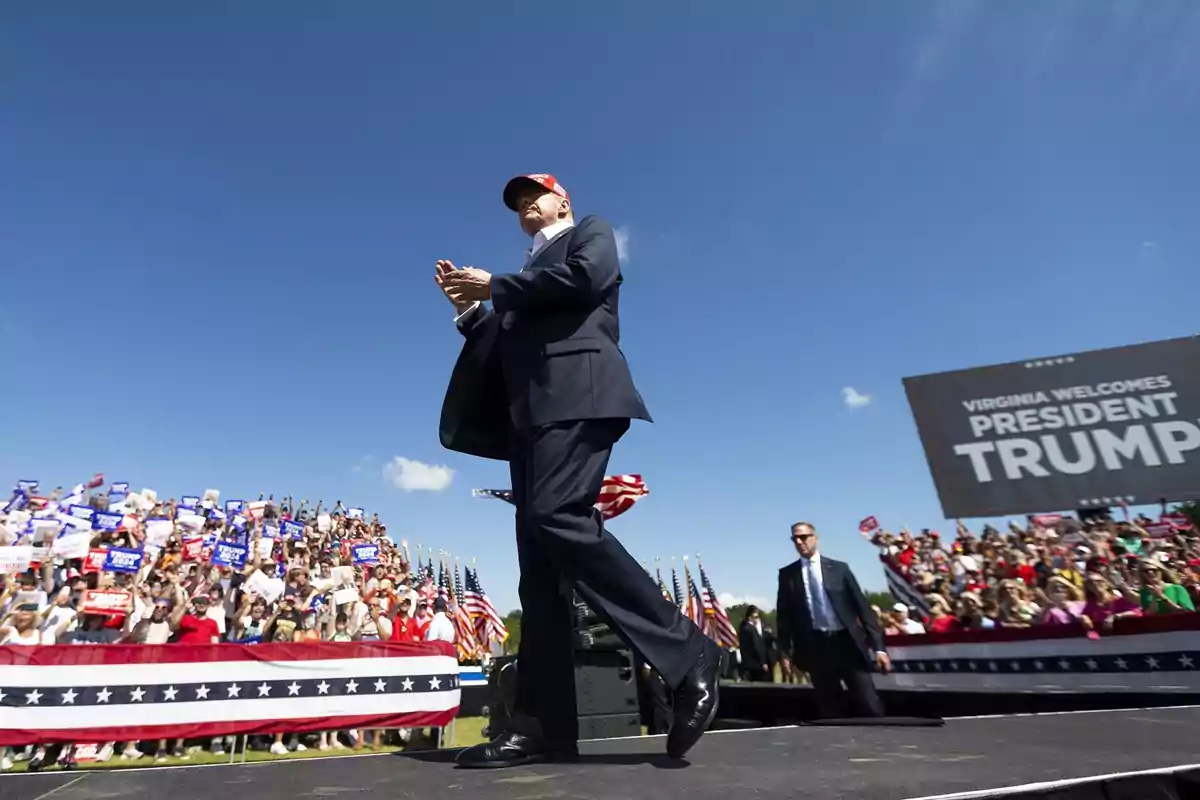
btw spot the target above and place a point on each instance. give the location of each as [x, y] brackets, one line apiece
[160, 611]
[805, 541]
[538, 208]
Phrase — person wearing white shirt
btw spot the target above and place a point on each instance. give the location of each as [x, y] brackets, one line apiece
[440, 629]
[827, 625]
[904, 622]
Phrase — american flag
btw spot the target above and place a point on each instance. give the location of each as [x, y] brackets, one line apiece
[488, 623]
[468, 645]
[677, 598]
[662, 587]
[618, 493]
[60, 693]
[720, 628]
[904, 591]
[427, 590]
[695, 605]
[443, 585]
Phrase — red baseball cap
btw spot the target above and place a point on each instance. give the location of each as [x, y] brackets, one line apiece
[544, 180]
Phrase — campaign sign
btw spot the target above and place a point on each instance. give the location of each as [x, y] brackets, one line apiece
[355, 513]
[122, 559]
[107, 521]
[82, 512]
[270, 532]
[228, 554]
[27, 486]
[366, 553]
[120, 487]
[238, 523]
[105, 601]
[189, 501]
[234, 506]
[292, 529]
[95, 561]
[116, 498]
[19, 500]
[192, 549]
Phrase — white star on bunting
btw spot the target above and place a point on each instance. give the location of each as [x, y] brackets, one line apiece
[1185, 661]
[235, 691]
[380, 685]
[264, 690]
[2, 695]
[169, 693]
[1151, 662]
[293, 689]
[202, 692]
[434, 683]
[1064, 664]
[1039, 665]
[137, 694]
[407, 684]
[352, 687]
[103, 695]
[33, 698]
[1092, 665]
[69, 696]
[1122, 663]
[323, 688]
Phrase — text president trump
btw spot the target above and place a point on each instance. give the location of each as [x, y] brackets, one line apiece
[542, 383]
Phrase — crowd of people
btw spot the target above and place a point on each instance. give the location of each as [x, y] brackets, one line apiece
[122, 567]
[1051, 570]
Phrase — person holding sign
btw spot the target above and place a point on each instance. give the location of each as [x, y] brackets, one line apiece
[542, 384]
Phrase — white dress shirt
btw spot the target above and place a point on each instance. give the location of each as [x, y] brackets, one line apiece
[823, 616]
[540, 240]
[440, 629]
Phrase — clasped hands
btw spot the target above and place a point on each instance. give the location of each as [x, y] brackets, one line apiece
[462, 287]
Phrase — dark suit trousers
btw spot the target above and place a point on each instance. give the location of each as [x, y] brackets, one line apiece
[557, 471]
[836, 659]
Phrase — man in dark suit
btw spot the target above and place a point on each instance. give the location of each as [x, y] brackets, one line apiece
[827, 625]
[542, 383]
[752, 644]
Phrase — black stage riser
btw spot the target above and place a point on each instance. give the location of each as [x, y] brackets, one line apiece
[777, 704]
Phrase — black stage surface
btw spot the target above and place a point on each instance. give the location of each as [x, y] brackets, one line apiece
[869, 763]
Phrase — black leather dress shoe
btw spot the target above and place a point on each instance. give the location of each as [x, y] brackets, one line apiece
[512, 750]
[695, 702]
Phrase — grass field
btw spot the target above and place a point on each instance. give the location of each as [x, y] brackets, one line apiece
[465, 732]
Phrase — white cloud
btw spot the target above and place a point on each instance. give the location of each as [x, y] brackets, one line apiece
[621, 234]
[729, 599]
[852, 398]
[414, 476]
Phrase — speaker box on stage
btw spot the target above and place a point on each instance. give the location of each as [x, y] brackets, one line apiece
[606, 694]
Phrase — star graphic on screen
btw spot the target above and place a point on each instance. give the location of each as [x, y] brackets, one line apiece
[202, 692]
[235, 691]
[264, 689]
[69, 696]
[322, 688]
[434, 683]
[33, 698]
[137, 694]
[352, 687]
[407, 684]
[293, 689]
[169, 693]
[380, 685]
[103, 695]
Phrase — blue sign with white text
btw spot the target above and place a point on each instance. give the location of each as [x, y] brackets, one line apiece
[122, 559]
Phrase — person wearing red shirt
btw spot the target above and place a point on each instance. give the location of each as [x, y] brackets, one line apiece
[196, 627]
[404, 627]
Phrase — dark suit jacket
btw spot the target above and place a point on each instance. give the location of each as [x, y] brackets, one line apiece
[794, 619]
[548, 350]
[753, 647]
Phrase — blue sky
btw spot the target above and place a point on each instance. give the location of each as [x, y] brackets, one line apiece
[218, 228]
